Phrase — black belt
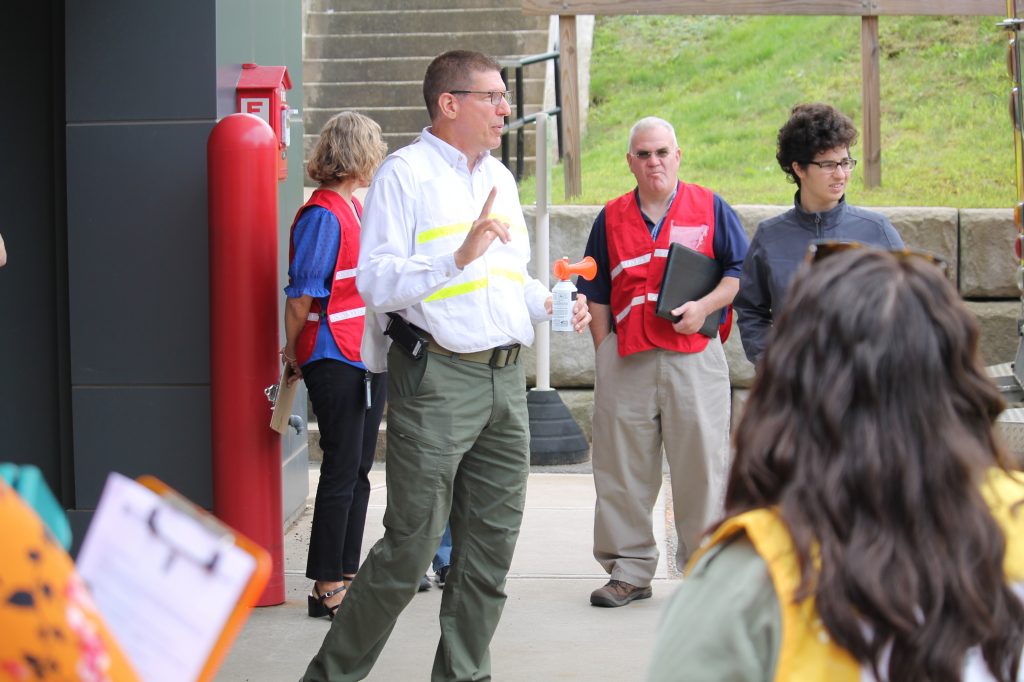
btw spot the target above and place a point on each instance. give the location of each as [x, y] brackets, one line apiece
[497, 358]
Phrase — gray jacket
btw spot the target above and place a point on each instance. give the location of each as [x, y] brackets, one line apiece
[778, 249]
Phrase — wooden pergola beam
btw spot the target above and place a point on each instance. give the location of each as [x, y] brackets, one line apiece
[853, 8]
[571, 144]
[871, 102]
[868, 10]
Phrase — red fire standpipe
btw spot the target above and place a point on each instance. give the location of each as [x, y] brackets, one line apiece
[242, 176]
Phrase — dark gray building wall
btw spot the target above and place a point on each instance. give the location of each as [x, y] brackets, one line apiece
[34, 401]
[105, 301]
[140, 105]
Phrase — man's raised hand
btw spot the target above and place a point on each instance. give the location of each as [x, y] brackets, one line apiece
[484, 231]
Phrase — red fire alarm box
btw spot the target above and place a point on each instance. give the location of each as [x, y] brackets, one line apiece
[262, 90]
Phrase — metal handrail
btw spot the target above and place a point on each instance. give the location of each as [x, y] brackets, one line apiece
[521, 120]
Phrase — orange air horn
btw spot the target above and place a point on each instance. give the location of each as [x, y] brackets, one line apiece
[586, 268]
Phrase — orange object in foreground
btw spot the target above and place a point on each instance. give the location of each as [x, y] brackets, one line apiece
[51, 627]
[586, 268]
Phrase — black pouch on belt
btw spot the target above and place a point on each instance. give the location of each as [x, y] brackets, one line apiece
[407, 337]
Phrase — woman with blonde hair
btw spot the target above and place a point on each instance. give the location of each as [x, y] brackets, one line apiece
[323, 328]
[873, 529]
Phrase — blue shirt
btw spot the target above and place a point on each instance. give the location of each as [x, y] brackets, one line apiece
[730, 246]
[317, 238]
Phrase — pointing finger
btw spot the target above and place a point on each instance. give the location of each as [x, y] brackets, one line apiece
[487, 204]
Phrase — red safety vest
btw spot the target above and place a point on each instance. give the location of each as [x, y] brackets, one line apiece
[638, 264]
[346, 311]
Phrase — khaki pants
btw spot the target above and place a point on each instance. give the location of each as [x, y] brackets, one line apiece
[458, 446]
[642, 402]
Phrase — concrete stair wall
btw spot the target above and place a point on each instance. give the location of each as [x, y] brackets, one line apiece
[370, 56]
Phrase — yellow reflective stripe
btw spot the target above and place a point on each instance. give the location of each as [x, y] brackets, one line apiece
[513, 223]
[513, 275]
[458, 289]
[476, 284]
[442, 231]
[461, 228]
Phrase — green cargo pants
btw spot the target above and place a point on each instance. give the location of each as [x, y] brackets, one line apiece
[458, 447]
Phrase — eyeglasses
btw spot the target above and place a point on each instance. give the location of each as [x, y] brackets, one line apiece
[495, 95]
[830, 166]
[645, 154]
[819, 250]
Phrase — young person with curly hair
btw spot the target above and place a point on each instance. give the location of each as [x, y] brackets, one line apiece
[814, 152]
[873, 529]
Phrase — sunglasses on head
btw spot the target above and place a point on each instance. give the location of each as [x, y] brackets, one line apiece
[819, 250]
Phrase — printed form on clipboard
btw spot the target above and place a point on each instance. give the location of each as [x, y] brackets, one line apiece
[173, 584]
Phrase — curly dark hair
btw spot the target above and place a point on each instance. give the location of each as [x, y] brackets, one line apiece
[810, 130]
[870, 427]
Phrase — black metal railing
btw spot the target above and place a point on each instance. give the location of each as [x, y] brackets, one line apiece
[518, 124]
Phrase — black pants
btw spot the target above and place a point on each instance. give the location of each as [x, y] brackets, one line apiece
[348, 437]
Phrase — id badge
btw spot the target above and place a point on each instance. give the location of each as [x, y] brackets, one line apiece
[690, 236]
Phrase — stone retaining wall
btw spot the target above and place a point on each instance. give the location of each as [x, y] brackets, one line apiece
[977, 243]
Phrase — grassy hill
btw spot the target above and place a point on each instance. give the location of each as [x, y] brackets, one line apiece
[727, 85]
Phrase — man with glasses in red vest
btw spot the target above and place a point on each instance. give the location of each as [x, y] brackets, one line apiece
[658, 384]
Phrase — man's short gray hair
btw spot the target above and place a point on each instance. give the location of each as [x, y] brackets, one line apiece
[650, 122]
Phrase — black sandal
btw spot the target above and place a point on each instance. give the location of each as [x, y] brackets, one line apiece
[316, 603]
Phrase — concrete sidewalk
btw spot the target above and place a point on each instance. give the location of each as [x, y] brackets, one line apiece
[548, 631]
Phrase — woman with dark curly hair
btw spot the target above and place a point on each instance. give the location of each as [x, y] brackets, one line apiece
[323, 323]
[873, 530]
[814, 152]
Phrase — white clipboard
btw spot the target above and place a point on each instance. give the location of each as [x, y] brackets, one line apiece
[173, 583]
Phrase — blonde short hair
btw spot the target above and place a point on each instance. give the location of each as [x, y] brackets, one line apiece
[350, 146]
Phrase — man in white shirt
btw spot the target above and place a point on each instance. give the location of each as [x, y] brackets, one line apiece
[444, 251]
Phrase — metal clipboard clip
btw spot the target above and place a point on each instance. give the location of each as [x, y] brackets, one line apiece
[176, 550]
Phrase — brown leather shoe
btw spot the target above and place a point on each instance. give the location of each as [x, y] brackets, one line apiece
[618, 593]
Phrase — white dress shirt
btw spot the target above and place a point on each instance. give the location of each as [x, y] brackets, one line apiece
[421, 204]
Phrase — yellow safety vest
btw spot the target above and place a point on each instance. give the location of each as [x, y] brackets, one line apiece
[807, 651]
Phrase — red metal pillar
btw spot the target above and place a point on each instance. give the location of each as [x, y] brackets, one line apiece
[242, 176]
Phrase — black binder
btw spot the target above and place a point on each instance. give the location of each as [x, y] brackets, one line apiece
[689, 275]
